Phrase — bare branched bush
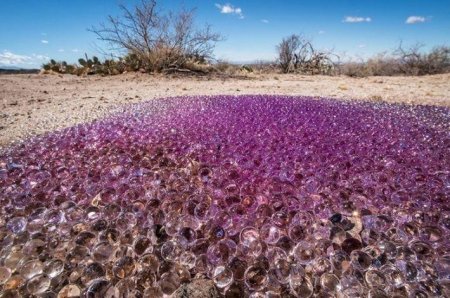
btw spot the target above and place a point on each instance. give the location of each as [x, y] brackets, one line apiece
[159, 41]
[287, 50]
[297, 54]
[412, 61]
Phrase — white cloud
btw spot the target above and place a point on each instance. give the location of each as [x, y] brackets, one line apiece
[265, 21]
[10, 59]
[361, 46]
[321, 32]
[75, 50]
[61, 50]
[40, 57]
[230, 9]
[350, 19]
[415, 20]
[44, 41]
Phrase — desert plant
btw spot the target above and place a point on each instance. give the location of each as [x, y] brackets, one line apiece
[82, 62]
[58, 66]
[286, 52]
[159, 41]
[413, 61]
[402, 61]
[296, 53]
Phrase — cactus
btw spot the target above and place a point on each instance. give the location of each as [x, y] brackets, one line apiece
[96, 60]
[46, 66]
[82, 62]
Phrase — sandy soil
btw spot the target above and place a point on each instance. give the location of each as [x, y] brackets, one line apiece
[34, 104]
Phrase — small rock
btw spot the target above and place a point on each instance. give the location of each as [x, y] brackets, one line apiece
[198, 288]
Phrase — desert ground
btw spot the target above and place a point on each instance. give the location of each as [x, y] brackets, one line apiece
[35, 104]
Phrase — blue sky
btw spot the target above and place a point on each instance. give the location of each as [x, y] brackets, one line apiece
[33, 30]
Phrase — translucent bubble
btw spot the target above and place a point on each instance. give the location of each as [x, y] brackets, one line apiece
[304, 252]
[297, 232]
[38, 284]
[170, 250]
[329, 282]
[96, 288]
[5, 274]
[54, 268]
[321, 265]
[92, 271]
[351, 286]
[375, 278]
[377, 293]
[219, 253]
[31, 269]
[169, 283]
[360, 259]
[301, 286]
[12, 259]
[201, 211]
[141, 245]
[270, 233]
[102, 251]
[149, 261]
[222, 276]
[188, 234]
[430, 233]
[123, 267]
[77, 254]
[188, 259]
[393, 274]
[421, 249]
[33, 247]
[408, 270]
[248, 235]
[17, 224]
[69, 291]
[255, 277]
[281, 271]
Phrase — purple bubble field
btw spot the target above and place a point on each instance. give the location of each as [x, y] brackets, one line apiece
[260, 196]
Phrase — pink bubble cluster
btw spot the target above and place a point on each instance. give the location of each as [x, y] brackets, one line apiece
[267, 196]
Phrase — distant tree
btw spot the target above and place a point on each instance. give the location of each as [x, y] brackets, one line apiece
[296, 53]
[413, 61]
[286, 52]
[160, 41]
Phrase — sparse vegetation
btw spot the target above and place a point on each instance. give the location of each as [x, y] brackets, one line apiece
[297, 54]
[160, 42]
[411, 61]
[151, 41]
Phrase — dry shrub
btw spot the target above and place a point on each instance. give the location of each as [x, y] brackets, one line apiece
[297, 54]
[161, 42]
[411, 61]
